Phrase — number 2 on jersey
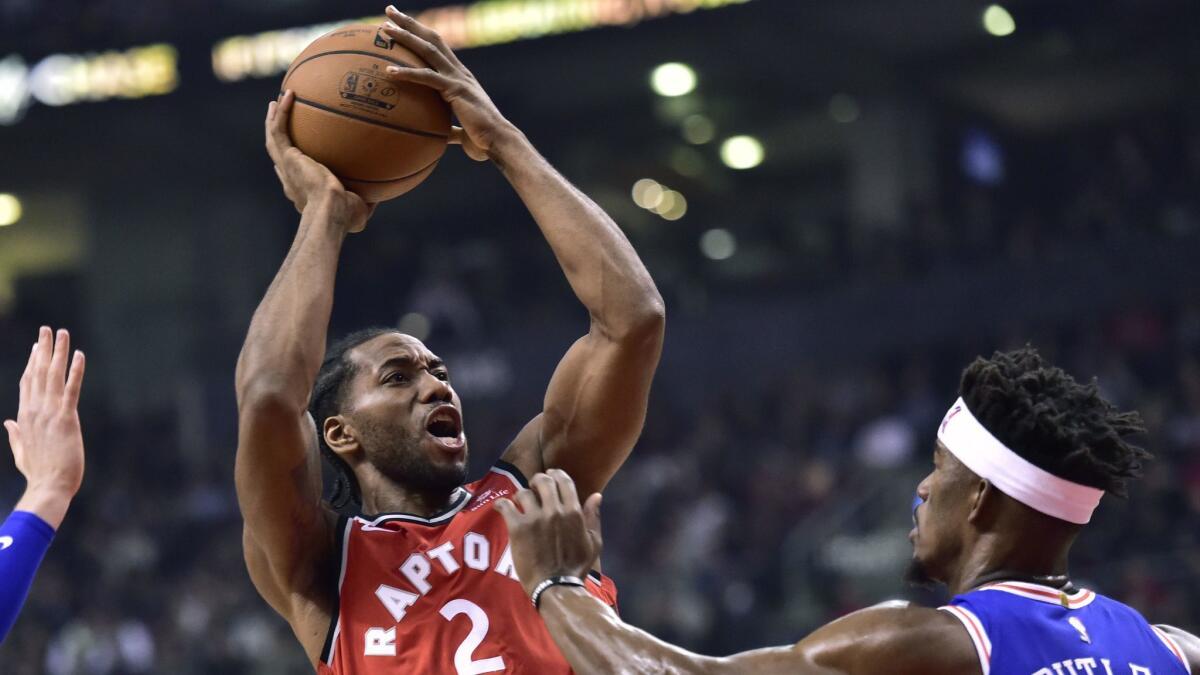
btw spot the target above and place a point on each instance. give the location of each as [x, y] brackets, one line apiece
[381, 642]
[463, 662]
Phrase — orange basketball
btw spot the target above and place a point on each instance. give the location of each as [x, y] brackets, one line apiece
[381, 138]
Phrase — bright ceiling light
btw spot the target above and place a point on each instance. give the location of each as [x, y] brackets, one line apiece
[667, 202]
[998, 22]
[742, 152]
[673, 79]
[10, 209]
[647, 193]
[677, 209]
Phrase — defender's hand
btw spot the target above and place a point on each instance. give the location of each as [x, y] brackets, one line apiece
[551, 535]
[482, 124]
[46, 440]
[304, 179]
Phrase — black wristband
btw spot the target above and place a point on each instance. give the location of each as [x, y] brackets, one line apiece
[536, 595]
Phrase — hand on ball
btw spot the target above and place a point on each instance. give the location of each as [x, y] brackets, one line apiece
[482, 123]
[304, 179]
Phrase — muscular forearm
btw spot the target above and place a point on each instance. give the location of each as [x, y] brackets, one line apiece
[594, 639]
[600, 264]
[286, 340]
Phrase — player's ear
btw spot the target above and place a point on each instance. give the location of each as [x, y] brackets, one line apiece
[985, 500]
[339, 436]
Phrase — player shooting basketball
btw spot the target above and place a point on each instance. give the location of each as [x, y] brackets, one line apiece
[423, 581]
[1022, 459]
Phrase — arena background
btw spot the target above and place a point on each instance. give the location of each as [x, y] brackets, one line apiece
[938, 179]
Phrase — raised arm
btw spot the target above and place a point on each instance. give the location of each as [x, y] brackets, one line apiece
[596, 402]
[47, 445]
[554, 537]
[288, 532]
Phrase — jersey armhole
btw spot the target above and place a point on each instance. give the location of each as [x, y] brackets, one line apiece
[512, 472]
[342, 545]
[977, 633]
[1173, 647]
[605, 584]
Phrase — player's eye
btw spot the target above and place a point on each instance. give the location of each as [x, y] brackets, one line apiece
[395, 378]
[442, 375]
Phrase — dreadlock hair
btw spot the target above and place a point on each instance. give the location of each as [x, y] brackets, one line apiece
[328, 398]
[1056, 423]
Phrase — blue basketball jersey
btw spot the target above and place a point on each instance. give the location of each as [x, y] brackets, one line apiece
[1027, 629]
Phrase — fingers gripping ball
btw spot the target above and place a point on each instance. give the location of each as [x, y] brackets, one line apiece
[381, 138]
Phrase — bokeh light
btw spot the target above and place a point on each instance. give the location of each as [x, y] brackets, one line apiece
[673, 79]
[742, 152]
[10, 209]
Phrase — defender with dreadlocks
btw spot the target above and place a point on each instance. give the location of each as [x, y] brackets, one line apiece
[415, 574]
[1021, 461]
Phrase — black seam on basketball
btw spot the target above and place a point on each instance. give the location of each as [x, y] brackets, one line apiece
[392, 180]
[381, 57]
[393, 127]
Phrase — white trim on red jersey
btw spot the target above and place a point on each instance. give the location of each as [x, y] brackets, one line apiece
[459, 500]
[517, 481]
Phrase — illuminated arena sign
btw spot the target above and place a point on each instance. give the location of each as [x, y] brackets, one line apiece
[488, 22]
[62, 79]
[152, 70]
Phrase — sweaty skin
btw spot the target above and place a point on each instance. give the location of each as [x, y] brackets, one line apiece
[553, 535]
[594, 406]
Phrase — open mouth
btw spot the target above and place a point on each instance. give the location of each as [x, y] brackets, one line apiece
[445, 425]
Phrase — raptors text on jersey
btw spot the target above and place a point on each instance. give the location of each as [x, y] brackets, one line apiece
[440, 595]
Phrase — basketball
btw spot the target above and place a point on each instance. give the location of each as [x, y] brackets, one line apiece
[381, 138]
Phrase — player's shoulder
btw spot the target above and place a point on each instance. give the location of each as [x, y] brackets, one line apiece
[896, 637]
[1187, 643]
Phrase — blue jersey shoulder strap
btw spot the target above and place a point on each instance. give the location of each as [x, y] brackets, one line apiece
[1027, 629]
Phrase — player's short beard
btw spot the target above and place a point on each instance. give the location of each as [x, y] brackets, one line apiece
[397, 453]
[918, 575]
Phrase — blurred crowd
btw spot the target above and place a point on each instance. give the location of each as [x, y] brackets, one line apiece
[748, 521]
[746, 516]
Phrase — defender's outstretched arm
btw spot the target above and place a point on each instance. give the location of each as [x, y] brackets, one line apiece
[288, 532]
[596, 402]
[553, 536]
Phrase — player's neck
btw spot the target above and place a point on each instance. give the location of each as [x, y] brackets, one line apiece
[388, 497]
[995, 557]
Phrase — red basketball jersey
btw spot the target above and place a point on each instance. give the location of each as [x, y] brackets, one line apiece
[440, 595]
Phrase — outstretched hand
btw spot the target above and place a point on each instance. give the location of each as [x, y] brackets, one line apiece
[482, 123]
[46, 440]
[551, 534]
[305, 179]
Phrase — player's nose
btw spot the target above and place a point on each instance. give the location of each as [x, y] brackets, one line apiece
[435, 390]
[923, 489]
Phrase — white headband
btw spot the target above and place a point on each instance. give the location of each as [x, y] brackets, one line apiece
[1012, 474]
